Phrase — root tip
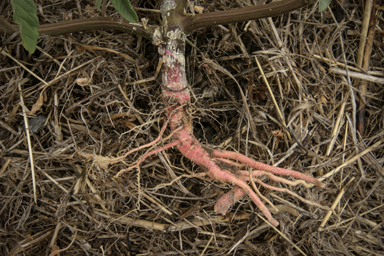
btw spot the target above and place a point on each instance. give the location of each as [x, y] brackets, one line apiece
[274, 222]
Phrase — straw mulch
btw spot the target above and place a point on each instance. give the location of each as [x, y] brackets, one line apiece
[95, 105]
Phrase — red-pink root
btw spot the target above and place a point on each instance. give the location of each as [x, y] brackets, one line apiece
[230, 162]
[261, 166]
[193, 150]
[230, 178]
[228, 199]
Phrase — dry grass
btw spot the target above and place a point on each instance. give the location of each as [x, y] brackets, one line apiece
[93, 109]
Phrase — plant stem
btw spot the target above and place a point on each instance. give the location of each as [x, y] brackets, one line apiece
[7, 27]
[176, 95]
[72, 26]
[190, 23]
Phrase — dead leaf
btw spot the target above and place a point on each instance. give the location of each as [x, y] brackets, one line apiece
[103, 161]
[199, 9]
[57, 132]
[323, 100]
[89, 10]
[38, 104]
[278, 133]
[84, 81]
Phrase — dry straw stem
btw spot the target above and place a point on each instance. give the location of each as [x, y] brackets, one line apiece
[245, 103]
[90, 47]
[206, 247]
[365, 67]
[351, 160]
[294, 207]
[358, 75]
[336, 127]
[28, 137]
[5, 166]
[188, 224]
[364, 31]
[57, 252]
[52, 58]
[166, 162]
[55, 234]
[335, 203]
[280, 233]
[5, 53]
[10, 129]
[333, 63]
[272, 96]
[366, 221]
[156, 202]
[153, 78]
[31, 241]
[38, 104]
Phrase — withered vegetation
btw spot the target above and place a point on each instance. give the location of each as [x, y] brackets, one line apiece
[91, 97]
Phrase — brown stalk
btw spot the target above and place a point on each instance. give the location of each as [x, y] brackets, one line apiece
[365, 66]
[73, 26]
[191, 23]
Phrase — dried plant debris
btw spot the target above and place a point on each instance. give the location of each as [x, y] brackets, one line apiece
[93, 97]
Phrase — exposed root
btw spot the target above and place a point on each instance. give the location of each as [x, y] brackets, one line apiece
[244, 186]
[265, 167]
[244, 174]
[151, 143]
[258, 192]
[230, 162]
[191, 148]
[228, 199]
[155, 151]
[291, 193]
